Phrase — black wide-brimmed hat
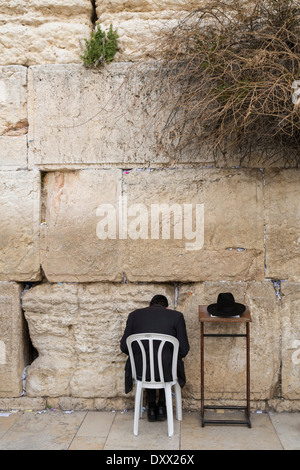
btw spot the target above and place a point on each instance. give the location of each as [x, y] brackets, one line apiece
[226, 306]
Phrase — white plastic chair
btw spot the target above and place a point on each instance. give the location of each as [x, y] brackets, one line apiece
[141, 384]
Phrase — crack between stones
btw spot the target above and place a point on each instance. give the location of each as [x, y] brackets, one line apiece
[94, 17]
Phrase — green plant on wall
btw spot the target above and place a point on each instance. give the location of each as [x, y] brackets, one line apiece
[101, 48]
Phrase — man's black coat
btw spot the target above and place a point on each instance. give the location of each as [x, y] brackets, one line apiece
[156, 319]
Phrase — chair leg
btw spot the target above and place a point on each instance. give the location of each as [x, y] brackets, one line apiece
[178, 402]
[168, 393]
[141, 403]
[137, 408]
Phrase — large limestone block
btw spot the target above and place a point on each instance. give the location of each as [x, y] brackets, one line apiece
[71, 249]
[203, 224]
[225, 358]
[20, 225]
[118, 6]
[13, 117]
[139, 23]
[13, 351]
[76, 329]
[139, 32]
[43, 31]
[50, 311]
[104, 224]
[282, 200]
[290, 319]
[92, 118]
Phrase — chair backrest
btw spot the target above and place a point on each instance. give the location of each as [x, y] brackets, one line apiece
[150, 338]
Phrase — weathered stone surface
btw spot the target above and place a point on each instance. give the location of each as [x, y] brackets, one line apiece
[13, 351]
[13, 100]
[76, 329]
[23, 403]
[13, 152]
[47, 31]
[115, 118]
[225, 358]
[13, 117]
[118, 6]
[71, 250]
[232, 247]
[20, 225]
[282, 201]
[92, 118]
[76, 247]
[139, 31]
[290, 319]
[139, 23]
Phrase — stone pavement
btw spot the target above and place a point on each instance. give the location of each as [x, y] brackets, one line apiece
[96, 430]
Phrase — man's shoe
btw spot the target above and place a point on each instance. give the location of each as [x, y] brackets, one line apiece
[151, 413]
[161, 413]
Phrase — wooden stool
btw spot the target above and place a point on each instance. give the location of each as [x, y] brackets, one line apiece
[205, 317]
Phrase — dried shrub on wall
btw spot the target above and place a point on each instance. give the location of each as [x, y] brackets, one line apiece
[230, 72]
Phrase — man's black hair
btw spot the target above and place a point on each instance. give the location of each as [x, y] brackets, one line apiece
[159, 300]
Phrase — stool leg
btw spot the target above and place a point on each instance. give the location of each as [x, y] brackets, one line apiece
[202, 372]
[248, 372]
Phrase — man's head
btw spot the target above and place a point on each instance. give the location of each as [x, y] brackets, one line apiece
[159, 300]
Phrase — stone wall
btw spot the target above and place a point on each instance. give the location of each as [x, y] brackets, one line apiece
[75, 143]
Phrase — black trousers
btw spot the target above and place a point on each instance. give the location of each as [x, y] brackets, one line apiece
[151, 396]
